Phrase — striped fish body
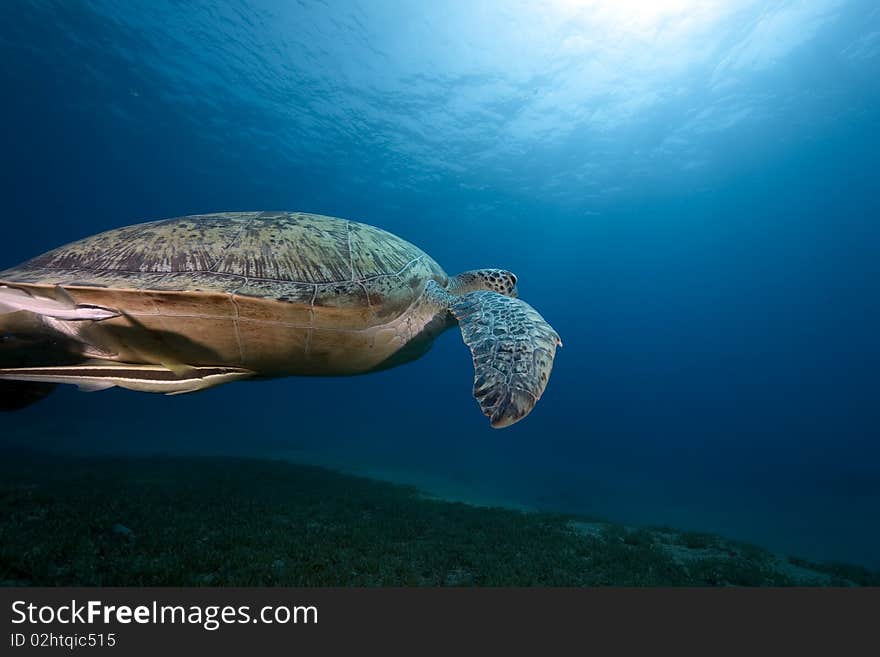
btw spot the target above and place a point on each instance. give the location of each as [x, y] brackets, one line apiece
[143, 378]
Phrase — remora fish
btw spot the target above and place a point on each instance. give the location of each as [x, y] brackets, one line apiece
[64, 307]
[145, 378]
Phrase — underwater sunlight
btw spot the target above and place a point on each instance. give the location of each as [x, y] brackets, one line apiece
[376, 222]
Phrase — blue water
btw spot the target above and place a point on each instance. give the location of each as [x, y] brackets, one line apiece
[688, 192]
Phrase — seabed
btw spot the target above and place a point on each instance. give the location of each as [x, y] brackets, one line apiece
[220, 521]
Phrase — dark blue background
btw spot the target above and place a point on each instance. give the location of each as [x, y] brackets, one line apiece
[720, 367]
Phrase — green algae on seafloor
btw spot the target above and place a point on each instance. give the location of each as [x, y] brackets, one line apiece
[179, 521]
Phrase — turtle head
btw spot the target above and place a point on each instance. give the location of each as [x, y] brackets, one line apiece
[493, 280]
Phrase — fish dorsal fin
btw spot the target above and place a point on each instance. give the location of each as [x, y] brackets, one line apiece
[180, 369]
[10, 299]
[64, 297]
[5, 289]
[94, 386]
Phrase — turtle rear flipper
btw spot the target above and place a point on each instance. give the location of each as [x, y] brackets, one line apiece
[28, 350]
[513, 349]
[16, 395]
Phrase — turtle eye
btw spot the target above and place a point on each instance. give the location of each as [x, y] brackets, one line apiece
[512, 290]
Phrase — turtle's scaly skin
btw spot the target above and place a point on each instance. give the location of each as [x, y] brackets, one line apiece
[513, 350]
[275, 292]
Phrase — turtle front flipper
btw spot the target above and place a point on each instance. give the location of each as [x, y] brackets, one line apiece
[513, 349]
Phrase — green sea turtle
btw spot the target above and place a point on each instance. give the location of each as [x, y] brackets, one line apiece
[188, 303]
